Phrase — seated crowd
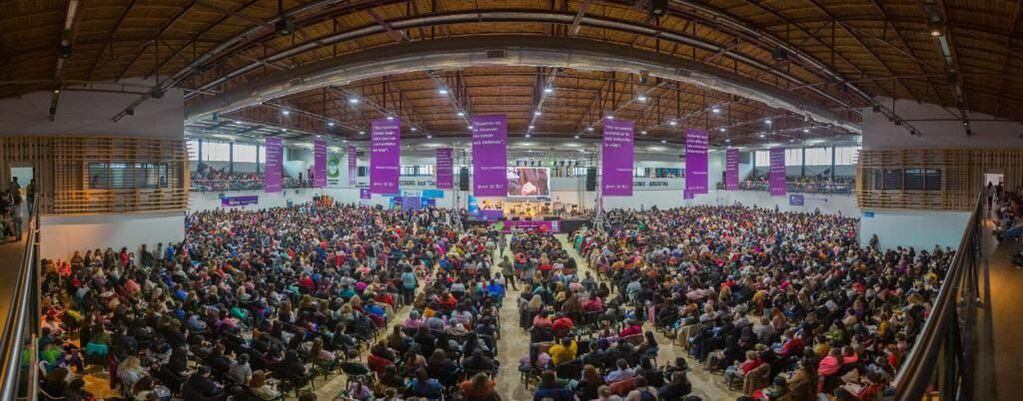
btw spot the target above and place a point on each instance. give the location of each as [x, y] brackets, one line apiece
[208, 179]
[584, 343]
[254, 304]
[787, 305]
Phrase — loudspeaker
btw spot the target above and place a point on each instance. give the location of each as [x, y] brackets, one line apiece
[463, 179]
[591, 179]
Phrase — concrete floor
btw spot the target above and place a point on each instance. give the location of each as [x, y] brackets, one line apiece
[999, 373]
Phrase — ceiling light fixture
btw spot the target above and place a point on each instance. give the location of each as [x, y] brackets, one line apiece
[532, 126]
[353, 100]
[716, 110]
[642, 132]
[536, 113]
[577, 137]
[470, 127]
[768, 121]
[548, 90]
[428, 136]
[664, 141]
[722, 129]
[762, 135]
[461, 114]
[390, 117]
[673, 123]
[362, 132]
[641, 98]
[727, 140]
[413, 129]
[442, 91]
[330, 123]
[589, 129]
[285, 112]
[527, 135]
[806, 131]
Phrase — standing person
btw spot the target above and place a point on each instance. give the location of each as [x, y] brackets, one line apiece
[502, 242]
[408, 285]
[19, 214]
[16, 191]
[30, 193]
[989, 192]
[508, 270]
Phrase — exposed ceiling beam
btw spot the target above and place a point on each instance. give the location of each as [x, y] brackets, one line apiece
[108, 42]
[142, 49]
[574, 30]
[66, 39]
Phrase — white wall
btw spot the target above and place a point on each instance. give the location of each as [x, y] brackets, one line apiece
[879, 133]
[917, 228]
[60, 236]
[91, 113]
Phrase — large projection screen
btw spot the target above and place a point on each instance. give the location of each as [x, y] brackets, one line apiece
[529, 182]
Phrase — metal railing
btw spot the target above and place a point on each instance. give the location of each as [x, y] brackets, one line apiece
[941, 361]
[18, 379]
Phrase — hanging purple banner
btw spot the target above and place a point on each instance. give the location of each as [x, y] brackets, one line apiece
[229, 201]
[353, 170]
[617, 155]
[732, 169]
[445, 169]
[696, 161]
[490, 155]
[319, 163]
[384, 157]
[777, 172]
[364, 193]
[273, 165]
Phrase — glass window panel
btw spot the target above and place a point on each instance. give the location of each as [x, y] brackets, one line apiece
[193, 149]
[244, 153]
[846, 156]
[818, 156]
[794, 157]
[763, 158]
[216, 151]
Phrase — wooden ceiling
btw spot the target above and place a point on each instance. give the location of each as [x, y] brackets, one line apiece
[840, 54]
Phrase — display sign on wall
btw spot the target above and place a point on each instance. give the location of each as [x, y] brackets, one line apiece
[319, 163]
[696, 162]
[384, 160]
[777, 172]
[796, 200]
[617, 158]
[230, 201]
[732, 169]
[490, 155]
[353, 160]
[445, 169]
[273, 165]
[364, 194]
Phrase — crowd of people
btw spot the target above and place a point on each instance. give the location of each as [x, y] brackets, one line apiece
[254, 304]
[585, 343]
[209, 179]
[807, 184]
[785, 305]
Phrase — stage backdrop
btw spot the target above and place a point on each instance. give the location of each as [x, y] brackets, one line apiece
[273, 165]
[384, 160]
[777, 171]
[732, 169]
[353, 169]
[319, 163]
[617, 158]
[444, 168]
[696, 162]
[490, 155]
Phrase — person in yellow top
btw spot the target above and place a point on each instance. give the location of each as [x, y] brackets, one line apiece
[563, 352]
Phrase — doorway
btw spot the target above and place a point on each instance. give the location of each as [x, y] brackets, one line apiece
[23, 175]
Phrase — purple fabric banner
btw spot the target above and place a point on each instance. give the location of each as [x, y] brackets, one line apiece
[617, 155]
[445, 169]
[490, 155]
[319, 163]
[273, 165]
[364, 193]
[732, 169]
[777, 172]
[696, 162]
[353, 160]
[384, 159]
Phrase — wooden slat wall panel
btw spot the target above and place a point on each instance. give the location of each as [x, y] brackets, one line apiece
[62, 172]
[962, 176]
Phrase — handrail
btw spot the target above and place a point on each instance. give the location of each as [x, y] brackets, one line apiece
[18, 319]
[942, 332]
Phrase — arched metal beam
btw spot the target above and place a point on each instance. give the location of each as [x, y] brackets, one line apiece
[530, 16]
[529, 51]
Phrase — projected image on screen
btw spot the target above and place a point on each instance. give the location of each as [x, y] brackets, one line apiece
[528, 181]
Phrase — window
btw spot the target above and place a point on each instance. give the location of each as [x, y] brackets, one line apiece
[216, 151]
[763, 158]
[794, 157]
[127, 175]
[846, 156]
[244, 153]
[639, 172]
[193, 149]
[818, 156]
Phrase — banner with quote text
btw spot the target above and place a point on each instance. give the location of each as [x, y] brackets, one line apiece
[384, 158]
[490, 155]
